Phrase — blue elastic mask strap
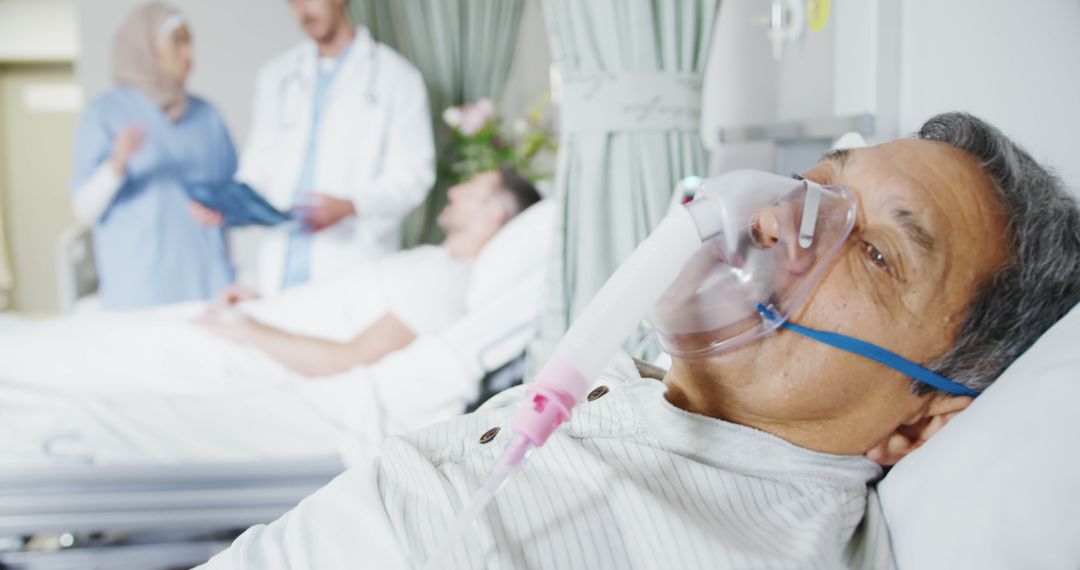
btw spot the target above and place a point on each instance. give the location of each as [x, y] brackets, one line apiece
[877, 354]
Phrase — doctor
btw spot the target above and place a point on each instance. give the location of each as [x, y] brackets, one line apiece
[341, 134]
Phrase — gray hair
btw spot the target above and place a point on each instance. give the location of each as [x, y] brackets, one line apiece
[1041, 280]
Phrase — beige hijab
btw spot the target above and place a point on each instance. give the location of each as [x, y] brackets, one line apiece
[135, 62]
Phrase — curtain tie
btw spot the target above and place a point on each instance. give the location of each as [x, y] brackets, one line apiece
[646, 101]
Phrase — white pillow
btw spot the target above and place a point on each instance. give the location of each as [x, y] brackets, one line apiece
[518, 247]
[999, 486]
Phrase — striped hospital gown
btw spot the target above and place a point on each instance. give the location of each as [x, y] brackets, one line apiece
[632, 482]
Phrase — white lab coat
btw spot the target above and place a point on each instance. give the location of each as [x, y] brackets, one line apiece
[374, 147]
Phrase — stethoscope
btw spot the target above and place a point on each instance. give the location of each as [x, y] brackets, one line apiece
[291, 87]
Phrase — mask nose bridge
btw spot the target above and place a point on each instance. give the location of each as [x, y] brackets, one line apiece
[808, 223]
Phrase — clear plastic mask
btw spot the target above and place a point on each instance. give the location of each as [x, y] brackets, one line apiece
[766, 239]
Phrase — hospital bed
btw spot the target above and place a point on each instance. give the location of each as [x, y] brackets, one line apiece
[167, 516]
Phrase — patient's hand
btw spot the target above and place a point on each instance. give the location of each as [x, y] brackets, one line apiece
[233, 295]
[227, 324]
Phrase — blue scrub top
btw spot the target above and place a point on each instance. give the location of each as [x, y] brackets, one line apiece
[149, 251]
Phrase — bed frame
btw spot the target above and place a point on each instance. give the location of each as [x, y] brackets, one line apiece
[160, 516]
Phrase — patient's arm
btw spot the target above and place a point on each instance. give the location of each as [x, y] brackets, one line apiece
[314, 356]
[234, 295]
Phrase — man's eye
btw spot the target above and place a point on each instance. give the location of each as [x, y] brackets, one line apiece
[875, 256]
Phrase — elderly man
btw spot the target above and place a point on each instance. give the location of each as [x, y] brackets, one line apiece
[423, 288]
[964, 252]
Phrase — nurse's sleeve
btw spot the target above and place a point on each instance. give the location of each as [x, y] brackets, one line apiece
[227, 160]
[94, 182]
[254, 168]
[343, 525]
[408, 170]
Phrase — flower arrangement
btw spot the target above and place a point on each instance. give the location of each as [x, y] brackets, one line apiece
[478, 141]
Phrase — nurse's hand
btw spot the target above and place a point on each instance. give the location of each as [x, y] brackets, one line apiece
[125, 145]
[320, 211]
[205, 216]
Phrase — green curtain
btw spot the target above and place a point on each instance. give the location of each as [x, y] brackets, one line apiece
[463, 48]
[629, 90]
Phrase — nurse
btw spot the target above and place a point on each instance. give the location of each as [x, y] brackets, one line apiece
[135, 148]
[341, 134]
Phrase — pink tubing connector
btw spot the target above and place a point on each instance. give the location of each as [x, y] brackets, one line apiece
[553, 396]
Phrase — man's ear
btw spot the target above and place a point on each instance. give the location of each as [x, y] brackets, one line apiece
[497, 215]
[916, 430]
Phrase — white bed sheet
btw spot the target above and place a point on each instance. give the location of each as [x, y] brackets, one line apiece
[152, 387]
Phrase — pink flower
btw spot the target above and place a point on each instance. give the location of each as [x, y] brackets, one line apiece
[485, 108]
[475, 116]
[471, 122]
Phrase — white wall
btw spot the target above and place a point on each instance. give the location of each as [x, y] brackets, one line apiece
[38, 30]
[822, 74]
[740, 85]
[1016, 64]
[232, 39]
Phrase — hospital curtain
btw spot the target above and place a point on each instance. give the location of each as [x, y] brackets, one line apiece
[463, 48]
[629, 94]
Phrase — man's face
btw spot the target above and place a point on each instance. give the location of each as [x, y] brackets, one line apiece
[472, 202]
[319, 18]
[929, 229]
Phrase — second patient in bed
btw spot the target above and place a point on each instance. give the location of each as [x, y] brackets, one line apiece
[423, 289]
